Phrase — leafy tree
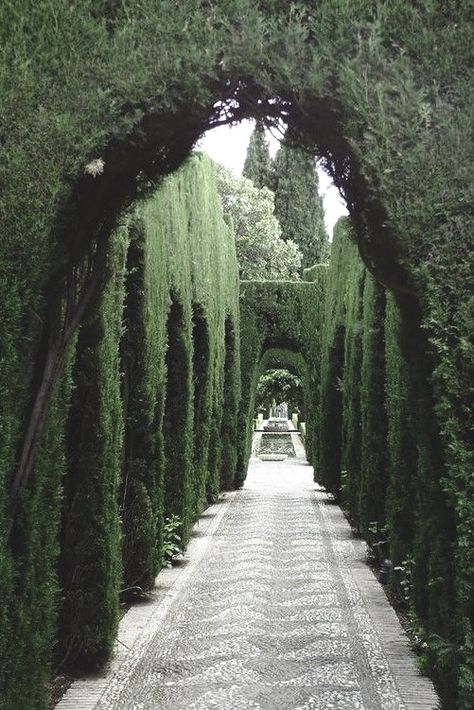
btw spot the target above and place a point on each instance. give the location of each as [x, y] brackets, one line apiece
[279, 385]
[298, 205]
[261, 252]
[258, 163]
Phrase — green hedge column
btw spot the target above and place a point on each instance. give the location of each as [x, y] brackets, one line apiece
[351, 430]
[30, 592]
[373, 483]
[340, 276]
[401, 439]
[230, 409]
[90, 567]
[141, 498]
[178, 417]
[202, 398]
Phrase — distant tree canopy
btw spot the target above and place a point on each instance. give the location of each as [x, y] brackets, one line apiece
[279, 385]
[258, 163]
[293, 177]
[261, 252]
[298, 205]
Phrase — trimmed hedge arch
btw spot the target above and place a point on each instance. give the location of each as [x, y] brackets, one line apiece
[382, 92]
[279, 319]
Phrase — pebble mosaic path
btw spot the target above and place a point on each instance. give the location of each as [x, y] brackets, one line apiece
[274, 610]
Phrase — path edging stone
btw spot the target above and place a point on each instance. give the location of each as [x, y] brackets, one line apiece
[140, 623]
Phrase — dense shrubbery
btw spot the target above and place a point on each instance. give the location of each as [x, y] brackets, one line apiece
[380, 451]
[134, 449]
[101, 99]
[261, 252]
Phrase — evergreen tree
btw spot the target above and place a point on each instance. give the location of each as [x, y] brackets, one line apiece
[298, 205]
[258, 164]
[261, 252]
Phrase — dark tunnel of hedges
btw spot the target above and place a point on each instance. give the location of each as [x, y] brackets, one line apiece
[382, 92]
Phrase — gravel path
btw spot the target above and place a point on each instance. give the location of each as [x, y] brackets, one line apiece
[275, 610]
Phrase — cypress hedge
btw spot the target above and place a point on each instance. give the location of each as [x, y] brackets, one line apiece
[230, 411]
[147, 383]
[351, 452]
[373, 478]
[385, 102]
[142, 351]
[343, 263]
[186, 301]
[380, 448]
[90, 560]
[30, 593]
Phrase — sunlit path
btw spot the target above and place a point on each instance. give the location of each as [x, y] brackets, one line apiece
[280, 612]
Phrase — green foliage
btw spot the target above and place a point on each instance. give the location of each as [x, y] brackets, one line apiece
[90, 561]
[402, 447]
[373, 457]
[343, 263]
[311, 272]
[298, 205]
[30, 592]
[382, 93]
[171, 545]
[177, 422]
[278, 386]
[261, 252]
[351, 453]
[186, 305]
[202, 373]
[258, 164]
[380, 449]
[154, 467]
[142, 350]
[230, 410]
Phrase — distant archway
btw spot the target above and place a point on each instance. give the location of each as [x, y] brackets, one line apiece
[280, 322]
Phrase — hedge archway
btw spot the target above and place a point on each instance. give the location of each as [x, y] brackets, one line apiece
[382, 93]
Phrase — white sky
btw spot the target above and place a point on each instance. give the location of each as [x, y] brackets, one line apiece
[228, 145]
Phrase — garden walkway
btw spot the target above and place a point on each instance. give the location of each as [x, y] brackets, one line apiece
[273, 608]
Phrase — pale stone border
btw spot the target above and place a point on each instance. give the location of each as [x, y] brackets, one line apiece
[139, 625]
[416, 691]
[296, 441]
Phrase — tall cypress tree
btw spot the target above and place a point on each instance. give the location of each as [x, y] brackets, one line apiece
[258, 164]
[298, 205]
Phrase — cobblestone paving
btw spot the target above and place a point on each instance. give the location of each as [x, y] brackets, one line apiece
[273, 617]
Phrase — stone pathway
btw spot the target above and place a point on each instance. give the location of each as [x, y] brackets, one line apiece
[275, 610]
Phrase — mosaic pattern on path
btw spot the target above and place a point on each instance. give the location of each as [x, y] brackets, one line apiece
[271, 619]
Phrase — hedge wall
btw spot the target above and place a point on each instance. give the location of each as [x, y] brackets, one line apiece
[99, 99]
[183, 302]
[155, 359]
[90, 559]
[380, 450]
